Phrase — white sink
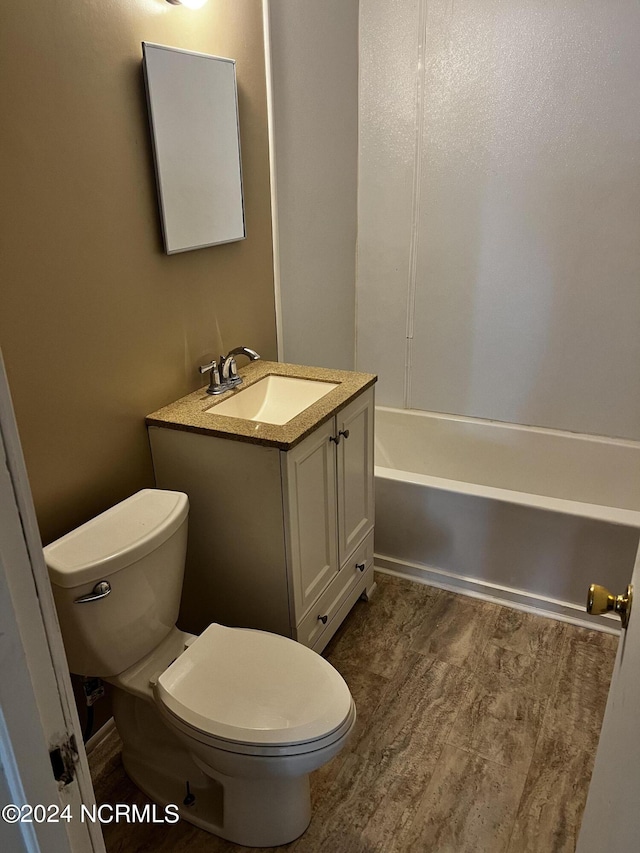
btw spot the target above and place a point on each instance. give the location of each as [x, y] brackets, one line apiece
[273, 400]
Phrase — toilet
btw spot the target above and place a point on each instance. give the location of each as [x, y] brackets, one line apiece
[227, 725]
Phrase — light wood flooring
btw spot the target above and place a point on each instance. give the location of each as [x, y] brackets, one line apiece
[477, 729]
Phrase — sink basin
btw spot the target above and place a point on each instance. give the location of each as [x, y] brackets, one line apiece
[274, 399]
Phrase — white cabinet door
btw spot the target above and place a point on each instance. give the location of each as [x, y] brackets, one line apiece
[312, 519]
[355, 473]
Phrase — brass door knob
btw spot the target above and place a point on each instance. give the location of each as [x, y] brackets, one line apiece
[601, 601]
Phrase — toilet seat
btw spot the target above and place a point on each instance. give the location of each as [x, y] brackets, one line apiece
[257, 693]
[256, 750]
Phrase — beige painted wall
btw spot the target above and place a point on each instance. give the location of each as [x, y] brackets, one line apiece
[98, 326]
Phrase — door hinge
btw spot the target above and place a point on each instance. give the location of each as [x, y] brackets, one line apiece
[63, 761]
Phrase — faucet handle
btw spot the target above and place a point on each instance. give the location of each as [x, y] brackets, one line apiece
[206, 367]
[215, 386]
[233, 369]
[229, 371]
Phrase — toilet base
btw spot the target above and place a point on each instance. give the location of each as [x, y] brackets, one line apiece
[249, 812]
[264, 812]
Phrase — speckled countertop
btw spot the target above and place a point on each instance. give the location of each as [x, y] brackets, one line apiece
[190, 413]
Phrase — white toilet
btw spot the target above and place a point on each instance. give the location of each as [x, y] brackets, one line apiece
[227, 725]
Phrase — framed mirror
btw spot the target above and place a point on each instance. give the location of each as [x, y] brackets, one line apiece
[193, 112]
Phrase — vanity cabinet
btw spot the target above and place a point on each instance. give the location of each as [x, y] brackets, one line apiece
[279, 539]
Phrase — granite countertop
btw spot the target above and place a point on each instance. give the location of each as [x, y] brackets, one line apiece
[189, 413]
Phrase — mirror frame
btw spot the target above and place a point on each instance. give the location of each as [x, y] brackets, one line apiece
[193, 114]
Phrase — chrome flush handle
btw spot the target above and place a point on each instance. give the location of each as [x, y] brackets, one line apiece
[100, 590]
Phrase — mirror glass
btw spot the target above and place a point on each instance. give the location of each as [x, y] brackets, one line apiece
[193, 110]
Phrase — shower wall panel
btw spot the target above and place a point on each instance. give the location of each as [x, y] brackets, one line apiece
[499, 242]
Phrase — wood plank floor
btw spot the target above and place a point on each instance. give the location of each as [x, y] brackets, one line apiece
[477, 729]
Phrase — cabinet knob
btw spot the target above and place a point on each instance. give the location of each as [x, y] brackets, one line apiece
[341, 432]
[360, 566]
[323, 619]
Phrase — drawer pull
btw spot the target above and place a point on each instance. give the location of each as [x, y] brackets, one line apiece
[323, 619]
[344, 432]
[361, 566]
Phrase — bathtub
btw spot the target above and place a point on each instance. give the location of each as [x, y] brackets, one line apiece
[525, 516]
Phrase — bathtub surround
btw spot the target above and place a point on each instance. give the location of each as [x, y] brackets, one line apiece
[521, 515]
[98, 326]
[476, 733]
[498, 197]
[499, 190]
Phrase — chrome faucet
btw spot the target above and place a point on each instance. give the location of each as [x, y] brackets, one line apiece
[224, 373]
[251, 354]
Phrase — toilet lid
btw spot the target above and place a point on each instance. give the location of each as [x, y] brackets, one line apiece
[254, 687]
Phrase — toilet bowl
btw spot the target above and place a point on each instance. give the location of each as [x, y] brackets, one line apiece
[227, 725]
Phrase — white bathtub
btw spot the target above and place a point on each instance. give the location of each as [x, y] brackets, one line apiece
[522, 515]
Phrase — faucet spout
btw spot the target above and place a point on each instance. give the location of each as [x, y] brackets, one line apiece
[251, 354]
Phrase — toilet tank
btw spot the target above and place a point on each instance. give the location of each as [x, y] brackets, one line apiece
[138, 547]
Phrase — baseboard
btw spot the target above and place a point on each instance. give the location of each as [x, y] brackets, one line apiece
[102, 733]
[519, 599]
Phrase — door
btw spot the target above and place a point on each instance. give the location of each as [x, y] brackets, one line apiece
[37, 709]
[611, 819]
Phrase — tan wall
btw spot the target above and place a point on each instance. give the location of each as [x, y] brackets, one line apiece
[98, 326]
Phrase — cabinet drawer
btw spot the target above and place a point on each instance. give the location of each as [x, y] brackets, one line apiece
[314, 623]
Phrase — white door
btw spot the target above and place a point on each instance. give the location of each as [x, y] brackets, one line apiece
[39, 726]
[611, 822]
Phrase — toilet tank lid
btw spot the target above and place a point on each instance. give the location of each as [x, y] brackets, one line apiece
[116, 538]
